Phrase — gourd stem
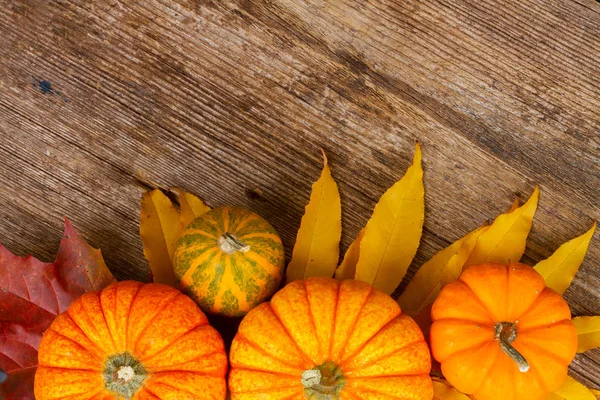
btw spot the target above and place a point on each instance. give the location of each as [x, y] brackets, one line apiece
[324, 382]
[229, 243]
[506, 333]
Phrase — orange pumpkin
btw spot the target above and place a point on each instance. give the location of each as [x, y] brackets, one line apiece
[229, 260]
[131, 341]
[500, 333]
[324, 339]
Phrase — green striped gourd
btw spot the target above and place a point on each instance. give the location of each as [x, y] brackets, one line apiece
[229, 260]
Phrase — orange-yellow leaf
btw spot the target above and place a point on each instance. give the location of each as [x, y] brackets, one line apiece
[347, 268]
[588, 332]
[159, 229]
[515, 205]
[560, 268]
[317, 248]
[442, 390]
[393, 233]
[444, 267]
[191, 207]
[504, 241]
[571, 390]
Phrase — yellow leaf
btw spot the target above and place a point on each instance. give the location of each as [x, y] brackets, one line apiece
[504, 240]
[347, 268]
[191, 207]
[442, 390]
[588, 332]
[444, 267]
[515, 205]
[393, 233]
[560, 268]
[159, 230]
[571, 390]
[317, 248]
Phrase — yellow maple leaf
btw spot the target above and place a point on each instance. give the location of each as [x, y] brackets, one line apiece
[393, 233]
[571, 390]
[444, 267]
[159, 229]
[191, 207]
[442, 390]
[347, 268]
[588, 332]
[316, 252]
[504, 241]
[560, 268]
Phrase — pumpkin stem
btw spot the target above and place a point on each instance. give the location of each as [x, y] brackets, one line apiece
[229, 243]
[506, 333]
[124, 375]
[324, 382]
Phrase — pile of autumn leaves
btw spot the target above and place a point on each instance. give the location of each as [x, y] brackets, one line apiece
[380, 255]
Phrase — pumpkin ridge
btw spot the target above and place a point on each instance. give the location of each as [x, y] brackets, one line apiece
[78, 345]
[457, 320]
[487, 372]
[187, 278]
[362, 345]
[251, 222]
[239, 223]
[287, 331]
[366, 378]
[172, 343]
[133, 298]
[538, 327]
[149, 391]
[110, 333]
[385, 355]
[174, 388]
[98, 351]
[377, 392]
[158, 312]
[270, 372]
[265, 391]
[270, 355]
[333, 320]
[540, 349]
[481, 303]
[311, 316]
[355, 322]
[197, 231]
[84, 332]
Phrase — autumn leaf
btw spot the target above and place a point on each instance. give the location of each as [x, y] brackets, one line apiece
[32, 293]
[444, 267]
[191, 207]
[160, 228]
[347, 268]
[393, 233]
[442, 390]
[571, 390]
[504, 241]
[560, 268]
[316, 252]
[588, 332]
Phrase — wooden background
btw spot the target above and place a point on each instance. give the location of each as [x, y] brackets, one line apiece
[231, 100]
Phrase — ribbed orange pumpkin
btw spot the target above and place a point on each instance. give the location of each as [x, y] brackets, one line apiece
[499, 333]
[229, 260]
[322, 339]
[131, 341]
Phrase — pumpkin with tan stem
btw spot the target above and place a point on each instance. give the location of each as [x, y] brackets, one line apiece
[500, 333]
[229, 260]
[131, 341]
[324, 339]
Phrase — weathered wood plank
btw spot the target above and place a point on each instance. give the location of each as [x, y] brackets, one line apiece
[231, 100]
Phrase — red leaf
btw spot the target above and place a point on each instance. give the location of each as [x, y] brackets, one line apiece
[32, 293]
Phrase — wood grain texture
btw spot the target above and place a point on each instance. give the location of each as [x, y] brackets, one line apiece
[232, 99]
